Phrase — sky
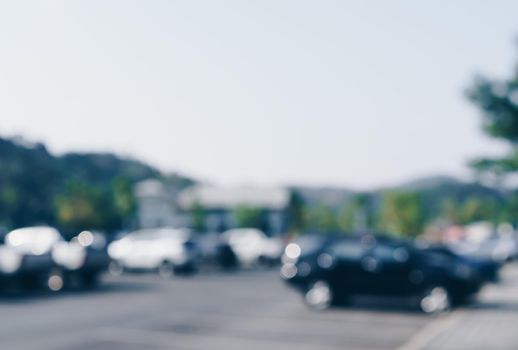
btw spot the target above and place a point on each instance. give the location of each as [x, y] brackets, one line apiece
[337, 93]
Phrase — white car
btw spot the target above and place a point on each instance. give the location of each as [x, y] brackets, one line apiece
[165, 250]
[499, 249]
[252, 246]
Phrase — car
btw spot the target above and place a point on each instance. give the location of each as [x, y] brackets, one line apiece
[253, 247]
[488, 269]
[499, 249]
[214, 251]
[165, 250]
[82, 259]
[330, 270]
[46, 258]
[26, 258]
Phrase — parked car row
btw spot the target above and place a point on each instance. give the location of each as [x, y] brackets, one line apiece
[171, 251]
[330, 270]
[326, 269]
[499, 248]
[39, 257]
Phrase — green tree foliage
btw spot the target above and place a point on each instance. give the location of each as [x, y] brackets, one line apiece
[249, 216]
[402, 212]
[296, 212]
[28, 181]
[81, 206]
[498, 102]
[123, 198]
[476, 209]
[73, 191]
[78, 208]
[473, 209]
[510, 210]
[346, 217]
[198, 217]
[320, 218]
[356, 214]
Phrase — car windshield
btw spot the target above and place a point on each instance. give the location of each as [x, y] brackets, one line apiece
[309, 244]
[347, 249]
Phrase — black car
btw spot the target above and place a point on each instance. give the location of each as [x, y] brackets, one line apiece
[39, 256]
[487, 269]
[82, 259]
[214, 252]
[26, 258]
[331, 269]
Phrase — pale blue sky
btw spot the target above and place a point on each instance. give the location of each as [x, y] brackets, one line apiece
[354, 93]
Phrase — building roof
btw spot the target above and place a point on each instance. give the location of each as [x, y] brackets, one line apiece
[225, 197]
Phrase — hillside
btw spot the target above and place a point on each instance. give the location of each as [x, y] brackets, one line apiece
[71, 191]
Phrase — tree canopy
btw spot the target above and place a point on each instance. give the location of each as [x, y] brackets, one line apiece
[74, 191]
[497, 99]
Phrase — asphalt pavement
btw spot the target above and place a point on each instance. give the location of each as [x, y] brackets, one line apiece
[243, 310]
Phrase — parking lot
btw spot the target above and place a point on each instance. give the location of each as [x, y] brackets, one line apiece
[246, 309]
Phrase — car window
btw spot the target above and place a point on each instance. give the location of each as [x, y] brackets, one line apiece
[390, 253]
[309, 244]
[346, 250]
[384, 252]
[143, 235]
[438, 258]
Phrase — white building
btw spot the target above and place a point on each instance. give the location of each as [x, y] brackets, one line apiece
[161, 206]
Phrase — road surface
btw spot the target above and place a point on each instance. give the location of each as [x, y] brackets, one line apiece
[241, 310]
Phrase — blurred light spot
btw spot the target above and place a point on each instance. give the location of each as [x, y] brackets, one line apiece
[85, 238]
[325, 261]
[55, 283]
[10, 261]
[370, 264]
[288, 271]
[401, 255]
[292, 251]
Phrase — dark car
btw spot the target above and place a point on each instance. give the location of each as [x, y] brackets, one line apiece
[82, 259]
[331, 269]
[40, 257]
[215, 252]
[26, 258]
[487, 269]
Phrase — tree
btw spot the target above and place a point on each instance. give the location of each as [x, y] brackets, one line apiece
[498, 102]
[355, 214]
[320, 218]
[198, 217]
[510, 210]
[73, 190]
[402, 213]
[249, 216]
[124, 199]
[79, 208]
[346, 217]
[296, 212]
